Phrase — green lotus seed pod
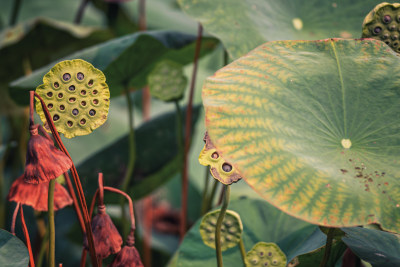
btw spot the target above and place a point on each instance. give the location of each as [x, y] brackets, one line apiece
[383, 23]
[231, 235]
[265, 254]
[77, 97]
[220, 169]
[166, 81]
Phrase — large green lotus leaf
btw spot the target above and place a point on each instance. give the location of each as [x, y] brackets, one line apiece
[379, 248]
[125, 61]
[313, 127]
[37, 42]
[13, 253]
[157, 157]
[243, 25]
[314, 258]
[261, 222]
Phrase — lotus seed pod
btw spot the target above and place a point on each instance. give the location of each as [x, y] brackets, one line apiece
[265, 254]
[166, 81]
[231, 229]
[77, 97]
[220, 169]
[383, 23]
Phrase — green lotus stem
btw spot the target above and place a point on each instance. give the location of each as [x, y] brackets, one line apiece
[205, 191]
[212, 194]
[43, 248]
[52, 237]
[132, 156]
[242, 251]
[328, 246]
[81, 10]
[219, 224]
[15, 11]
[179, 128]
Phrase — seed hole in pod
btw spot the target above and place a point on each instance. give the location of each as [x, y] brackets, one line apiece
[387, 42]
[261, 254]
[95, 101]
[66, 76]
[387, 19]
[75, 111]
[71, 88]
[50, 106]
[215, 155]
[56, 117]
[394, 37]
[72, 99]
[92, 112]
[385, 36]
[392, 27]
[70, 123]
[90, 83]
[80, 76]
[395, 44]
[226, 167]
[95, 92]
[269, 254]
[377, 30]
[62, 107]
[60, 95]
[83, 121]
[274, 262]
[254, 260]
[49, 94]
[266, 263]
[83, 92]
[56, 85]
[83, 103]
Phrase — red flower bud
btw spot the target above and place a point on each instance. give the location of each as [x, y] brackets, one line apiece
[43, 160]
[128, 256]
[36, 195]
[107, 239]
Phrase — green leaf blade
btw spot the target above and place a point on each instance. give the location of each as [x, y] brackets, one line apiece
[13, 253]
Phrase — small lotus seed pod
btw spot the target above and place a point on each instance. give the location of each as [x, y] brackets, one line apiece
[220, 169]
[382, 23]
[167, 81]
[77, 97]
[265, 254]
[231, 235]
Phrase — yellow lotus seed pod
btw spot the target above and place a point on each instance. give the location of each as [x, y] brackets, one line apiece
[77, 97]
[265, 254]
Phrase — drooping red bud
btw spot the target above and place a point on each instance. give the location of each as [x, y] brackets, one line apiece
[36, 195]
[107, 239]
[128, 256]
[43, 160]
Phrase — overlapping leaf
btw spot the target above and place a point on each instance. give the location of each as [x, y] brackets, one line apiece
[243, 25]
[125, 61]
[13, 253]
[313, 126]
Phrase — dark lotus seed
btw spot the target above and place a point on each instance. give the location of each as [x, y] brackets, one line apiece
[377, 30]
[386, 19]
[56, 117]
[62, 107]
[49, 106]
[49, 94]
[395, 44]
[83, 103]
[72, 88]
[265, 263]
[75, 111]
[385, 36]
[392, 27]
[56, 85]
[387, 42]
[94, 92]
[66, 76]
[60, 95]
[95, 101]
[261, 254]
[83, 121]
[83, 92]
[270, 254]
[90, 83]
[215, 155]
[69, 123]
[80, 76]
[92, 112]
[72, 99]
[226, 167]
[394, 37]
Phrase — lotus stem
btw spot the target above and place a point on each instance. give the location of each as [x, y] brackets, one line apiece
[328, 246]
[14, 12]
[26, 235]
[81, 10]
[52, 233]
[212, 194]
[75, 202]
[242, 251]
[219, 224]
[188, 124]
[204, 203]
[43, 248]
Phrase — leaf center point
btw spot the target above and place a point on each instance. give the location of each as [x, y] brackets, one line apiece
[346, 143]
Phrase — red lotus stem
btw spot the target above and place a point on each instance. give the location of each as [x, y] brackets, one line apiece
[101, 190]
[31, 97]
[75, 201]
[188, 123]
[77, 182]
[14, 218]
[83, 257]
[27, 239]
